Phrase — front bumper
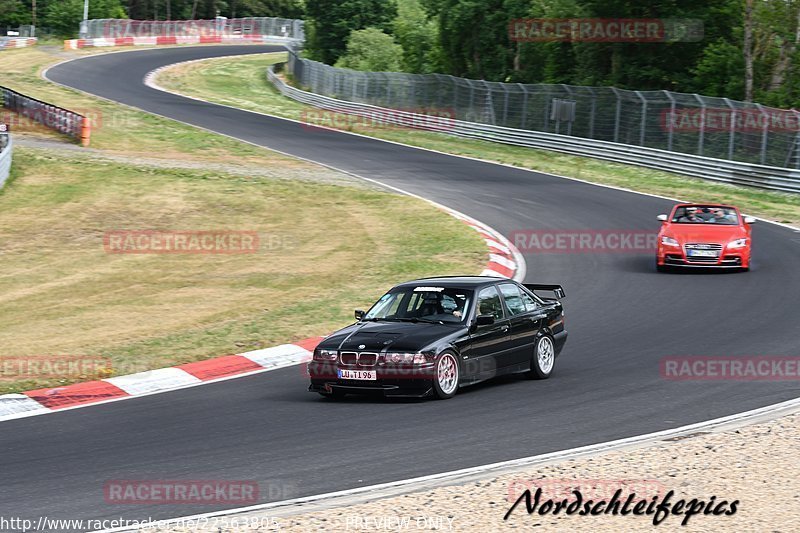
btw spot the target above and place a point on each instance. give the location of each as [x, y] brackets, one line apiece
[727, 259]
[408, 382]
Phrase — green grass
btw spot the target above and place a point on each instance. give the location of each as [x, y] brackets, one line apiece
[241, 82]
[329, 245]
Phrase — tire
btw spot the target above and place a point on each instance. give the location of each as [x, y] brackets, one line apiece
[445, 383]
[544, 358]
[662, 268]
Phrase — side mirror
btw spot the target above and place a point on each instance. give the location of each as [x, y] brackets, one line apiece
[484, 320]
[662, 218]
[749, 220]
[359, 314]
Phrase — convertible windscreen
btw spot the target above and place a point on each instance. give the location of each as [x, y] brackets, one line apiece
[435, 304]
[700, 214]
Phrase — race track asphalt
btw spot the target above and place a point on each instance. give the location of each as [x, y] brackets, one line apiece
[622, 317]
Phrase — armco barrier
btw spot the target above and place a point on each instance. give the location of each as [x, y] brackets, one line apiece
[721, 170]
[54, 117]
[6, 150]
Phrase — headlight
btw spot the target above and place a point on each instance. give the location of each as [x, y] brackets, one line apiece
[325, 355]
[399, 358]
[669, 241]
[738, 243]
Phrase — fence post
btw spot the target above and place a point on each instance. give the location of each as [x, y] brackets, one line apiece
[670, 120]
[524, 106]
[571, 94]
[732, 128]
[505, 105]
[764, 134]
[796, 139]
[592, 111]
[701, 138]
[643, 124]
[617, 116]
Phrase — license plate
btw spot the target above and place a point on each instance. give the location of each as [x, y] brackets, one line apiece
[364, 375]
[702, 253]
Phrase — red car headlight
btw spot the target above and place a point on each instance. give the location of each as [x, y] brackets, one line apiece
[738, 243]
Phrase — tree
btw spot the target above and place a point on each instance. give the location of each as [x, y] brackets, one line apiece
[13, 13]
[63, 17]
[748, 50]
[371, 50]
[418, 35]
[329, 23]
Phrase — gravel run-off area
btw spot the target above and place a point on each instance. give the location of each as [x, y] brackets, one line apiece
[755, 466]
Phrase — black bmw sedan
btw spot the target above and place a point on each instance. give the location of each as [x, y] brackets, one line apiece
[428, 337]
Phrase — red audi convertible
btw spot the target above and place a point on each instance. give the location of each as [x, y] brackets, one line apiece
[704, 235]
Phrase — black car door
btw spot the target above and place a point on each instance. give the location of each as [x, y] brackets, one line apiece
[525, 319]
[489, 344]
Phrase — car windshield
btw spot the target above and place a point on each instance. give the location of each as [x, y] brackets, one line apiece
[705, 214]
[423, 304]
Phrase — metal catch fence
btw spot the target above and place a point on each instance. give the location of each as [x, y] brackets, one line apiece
[721, 170]
[116, 28]
[704, 126]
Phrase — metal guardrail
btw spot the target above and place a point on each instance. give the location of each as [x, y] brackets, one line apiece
[54, 117]
[720, 170]
[6, 151]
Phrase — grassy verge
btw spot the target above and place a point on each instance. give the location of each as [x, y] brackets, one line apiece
[326, 245]
[241, 82]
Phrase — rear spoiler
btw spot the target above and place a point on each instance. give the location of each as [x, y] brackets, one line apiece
[558, 290]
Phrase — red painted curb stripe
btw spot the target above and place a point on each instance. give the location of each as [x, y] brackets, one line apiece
[309, 344]
[219, 367]
[500, 269]
[79, 393]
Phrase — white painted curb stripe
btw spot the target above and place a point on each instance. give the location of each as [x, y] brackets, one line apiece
[153, 380]
[17, 404]
[503, 260]
[283, 355]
